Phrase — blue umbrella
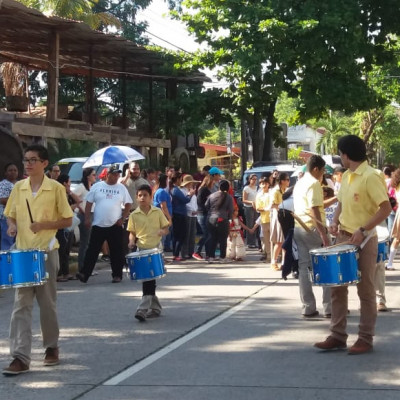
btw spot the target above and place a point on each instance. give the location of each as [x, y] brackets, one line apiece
[112, 155]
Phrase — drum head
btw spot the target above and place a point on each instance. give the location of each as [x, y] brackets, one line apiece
[149, 252]
[344, 248]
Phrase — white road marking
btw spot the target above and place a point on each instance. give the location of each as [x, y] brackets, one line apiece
[176, 344]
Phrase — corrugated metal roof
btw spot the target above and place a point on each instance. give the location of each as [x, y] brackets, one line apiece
[24, 38]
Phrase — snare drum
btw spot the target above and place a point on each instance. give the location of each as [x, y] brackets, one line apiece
[21, 268]
[383, 251]
[335, 266]
[146, 265]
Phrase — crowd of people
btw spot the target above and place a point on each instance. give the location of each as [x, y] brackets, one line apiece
[136, 210]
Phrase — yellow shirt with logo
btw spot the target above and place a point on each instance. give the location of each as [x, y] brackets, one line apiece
[263, 202]
[360, 195]
[146, 226]
[307, 194]
[49, 204]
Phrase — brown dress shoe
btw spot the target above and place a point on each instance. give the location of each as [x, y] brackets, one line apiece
[330, 343]
[16, 367]
[360, 347]
[51, 357]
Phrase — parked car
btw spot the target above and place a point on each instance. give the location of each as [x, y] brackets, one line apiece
[259, 170]
[73, 167]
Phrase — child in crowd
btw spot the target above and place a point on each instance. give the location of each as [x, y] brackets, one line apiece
[235, 245]
[147, 225]
[329, 208]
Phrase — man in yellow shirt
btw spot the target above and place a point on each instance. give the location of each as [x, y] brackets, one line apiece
[37, 228]
[147, 225]
[363, 204]
[308, 202]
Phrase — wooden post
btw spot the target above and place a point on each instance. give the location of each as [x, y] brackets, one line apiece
[125, 123]
[53, 76]
[90, 90]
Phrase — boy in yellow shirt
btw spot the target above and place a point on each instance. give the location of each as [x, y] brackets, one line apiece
[146, 226]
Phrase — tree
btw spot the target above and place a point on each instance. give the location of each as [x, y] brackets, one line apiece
[332, 128]
[319, 51]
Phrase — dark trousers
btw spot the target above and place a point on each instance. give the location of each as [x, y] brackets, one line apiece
[65, 239]
[114, 236]
[179, 230]
[149, 288]
[218, 235]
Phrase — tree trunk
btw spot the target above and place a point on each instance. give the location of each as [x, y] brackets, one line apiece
[269, 126]
[257, 136]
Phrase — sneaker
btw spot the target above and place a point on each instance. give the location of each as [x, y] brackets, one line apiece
[382, 307]
[330, 343]
[275, 267]
[224, 260]
[153, 313]
[210, 260]
[51, 357]
[81, 277]
[177, 258]
[141, 315]
[16, 367]
[311, 315]
[360, 347]
[116, 279]
[197, 256]
[105, 258]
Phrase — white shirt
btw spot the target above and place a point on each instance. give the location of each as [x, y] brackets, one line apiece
[109, 200]
[251, 195]
[81, 192]
[191, 207]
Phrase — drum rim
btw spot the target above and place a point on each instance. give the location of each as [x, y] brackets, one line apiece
[145, 252]
[351, 248]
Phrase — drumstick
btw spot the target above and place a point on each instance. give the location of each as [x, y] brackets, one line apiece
[337, 244]
[299, 220]
[315, 219]
[29, 211]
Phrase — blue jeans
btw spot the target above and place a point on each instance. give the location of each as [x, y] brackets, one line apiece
[6, 241]
[202, 220]
[84, 234]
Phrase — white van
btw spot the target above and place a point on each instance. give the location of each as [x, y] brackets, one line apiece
[73, 167]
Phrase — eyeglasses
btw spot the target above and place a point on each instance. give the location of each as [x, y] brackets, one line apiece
[31, 161]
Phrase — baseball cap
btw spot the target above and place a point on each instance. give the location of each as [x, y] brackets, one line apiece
[114, 169]
[215, 171]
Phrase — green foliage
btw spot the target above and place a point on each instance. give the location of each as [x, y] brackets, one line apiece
[294, 154]
[63, 148]
[217, 134]
[334, 126]
[317, 51]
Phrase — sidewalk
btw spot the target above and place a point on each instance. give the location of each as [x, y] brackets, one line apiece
[228, 332]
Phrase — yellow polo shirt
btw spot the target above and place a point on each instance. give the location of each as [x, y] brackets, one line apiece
[146, 226]
[263, 201]
[276, 195]
[360, 195]
[307, 194]
[49, 204]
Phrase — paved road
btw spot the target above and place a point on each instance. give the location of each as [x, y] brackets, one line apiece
[227, 332]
